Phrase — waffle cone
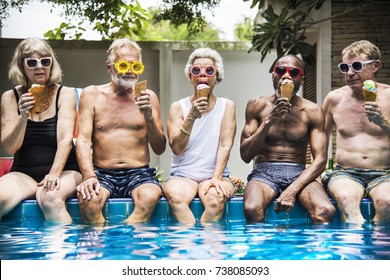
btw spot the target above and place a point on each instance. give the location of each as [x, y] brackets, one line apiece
[37, 92]
[140, 86]
[369, 95]
[204, 92]
[286, 90]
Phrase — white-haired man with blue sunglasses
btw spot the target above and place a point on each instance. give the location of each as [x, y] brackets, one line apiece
[362, 136]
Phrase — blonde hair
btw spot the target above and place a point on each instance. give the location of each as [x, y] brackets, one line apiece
[205, 53]
[26, 49]
[362, 47]
[120, 43]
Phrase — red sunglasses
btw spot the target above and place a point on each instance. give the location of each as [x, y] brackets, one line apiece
[281, 70]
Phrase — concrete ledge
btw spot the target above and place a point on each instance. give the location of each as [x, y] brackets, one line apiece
[118, 209]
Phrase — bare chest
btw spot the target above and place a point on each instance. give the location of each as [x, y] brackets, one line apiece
[118, 114]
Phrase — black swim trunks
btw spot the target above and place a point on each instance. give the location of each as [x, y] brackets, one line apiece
[121, 182]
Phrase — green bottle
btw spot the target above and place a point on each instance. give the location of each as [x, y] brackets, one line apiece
[330, 164]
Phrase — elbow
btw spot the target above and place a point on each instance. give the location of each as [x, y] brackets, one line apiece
[9, 150]
[245, 157]
[320, 163]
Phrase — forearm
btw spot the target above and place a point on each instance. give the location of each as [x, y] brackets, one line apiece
[221, 162]
[181, 135]
[84, 158]
[156, 136]
[13, 139]
[63, 149]
[310, 174]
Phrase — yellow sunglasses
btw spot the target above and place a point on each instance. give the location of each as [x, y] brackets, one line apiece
[123, 66]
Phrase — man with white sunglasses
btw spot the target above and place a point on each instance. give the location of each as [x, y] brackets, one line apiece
[362, 136]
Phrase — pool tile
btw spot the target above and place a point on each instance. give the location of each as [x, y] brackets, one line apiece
[270, 214]
[117, 208]
[197, 208]
[73, 208]
[32, 210]
[298, 212]
[235, 210]
[161, 211]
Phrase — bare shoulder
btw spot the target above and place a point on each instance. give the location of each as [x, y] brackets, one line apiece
[336, 94]
[311, 106]
[92, 92]
[230, 104]
[8, 96]
[175, 107]
[68, 92]
[383, 87]
[258, 103]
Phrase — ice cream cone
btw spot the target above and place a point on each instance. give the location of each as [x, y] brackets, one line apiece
[202, 90]
[369, 90]
[369, 95]
[140, 86]
[37, 92]
[286, 90]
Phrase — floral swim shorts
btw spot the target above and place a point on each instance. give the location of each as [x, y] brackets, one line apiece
[368, 178]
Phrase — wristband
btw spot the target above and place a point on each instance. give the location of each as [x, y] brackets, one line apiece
[186, 132]
[93, 176]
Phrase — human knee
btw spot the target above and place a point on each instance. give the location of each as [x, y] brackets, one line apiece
[383, 204]
[214, 202]
[146, 197]
[51, 200]
[253, 212]
[323, 213]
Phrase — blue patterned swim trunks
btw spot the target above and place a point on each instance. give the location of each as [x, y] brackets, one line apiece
[368, 178]
[121, 182]
[277, 175]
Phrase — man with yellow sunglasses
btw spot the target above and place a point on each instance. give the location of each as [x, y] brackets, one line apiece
[119, 126]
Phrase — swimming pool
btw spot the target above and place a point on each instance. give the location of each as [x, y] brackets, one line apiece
[164, 239]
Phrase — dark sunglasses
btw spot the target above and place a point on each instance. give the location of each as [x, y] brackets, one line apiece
[281, 70]
[209, 70]
[32, 63]
[356, 66]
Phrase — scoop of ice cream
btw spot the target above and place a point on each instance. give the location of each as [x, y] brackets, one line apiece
[369, 85]
[202, 90]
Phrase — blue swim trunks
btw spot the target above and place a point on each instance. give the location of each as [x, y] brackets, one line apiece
[121, 182]
[368, 178]
[277, 175]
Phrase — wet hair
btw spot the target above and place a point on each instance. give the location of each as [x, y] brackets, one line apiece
[26, 49]
[205, 53]
[121, 43]
[301, 64]
[362, 47]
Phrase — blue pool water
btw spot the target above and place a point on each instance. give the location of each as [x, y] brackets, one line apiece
[35, 239]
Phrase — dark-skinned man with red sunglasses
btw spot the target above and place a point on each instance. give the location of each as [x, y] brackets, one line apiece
[275, 136]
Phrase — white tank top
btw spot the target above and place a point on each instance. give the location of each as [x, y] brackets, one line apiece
[199, 157]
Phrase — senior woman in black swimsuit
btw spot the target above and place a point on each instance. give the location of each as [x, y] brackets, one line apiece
[45, 164]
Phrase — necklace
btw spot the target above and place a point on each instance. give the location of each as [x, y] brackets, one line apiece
[43, 101]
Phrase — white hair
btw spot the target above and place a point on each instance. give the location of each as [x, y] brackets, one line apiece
[205, 53]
